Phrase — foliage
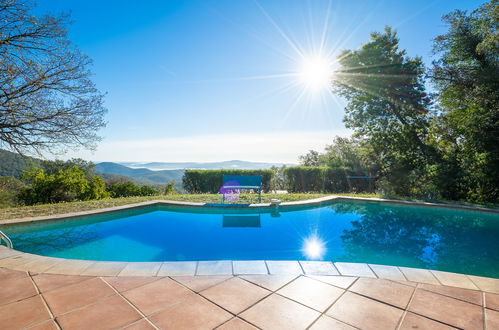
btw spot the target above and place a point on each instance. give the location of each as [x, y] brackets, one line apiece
[324, 179]
[387, 104]
[48, 100]
[210, 181]
[63, 186]
[54, 166]
[13, 164]
[278, 181]
[467, 79]
[10, 187]
[170, 188]
[129, 189]
[312, 158]
[306, 178]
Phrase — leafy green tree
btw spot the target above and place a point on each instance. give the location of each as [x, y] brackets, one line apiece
[64, 186]
[312, 158]
[53, 166]
[388, 106]
[467, 78]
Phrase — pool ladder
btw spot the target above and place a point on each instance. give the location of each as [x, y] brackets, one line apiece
[6, 239]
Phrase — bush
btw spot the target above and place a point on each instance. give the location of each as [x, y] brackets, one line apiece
[63, 186]
[10, 188]
[210, 181]
[170, 188]
[129, 189]
[324, 179]
[306, 178]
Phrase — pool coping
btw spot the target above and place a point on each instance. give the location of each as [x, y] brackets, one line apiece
[308, 202]
[36, 264]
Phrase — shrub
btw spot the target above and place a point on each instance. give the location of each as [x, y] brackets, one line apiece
[210, 181]
[63, 186]
[129, 189]
[324, 179]
[9, 190]
[170, 188]
[306, 178]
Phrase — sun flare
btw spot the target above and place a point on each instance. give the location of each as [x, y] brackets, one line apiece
[315, 73]
[313, 247]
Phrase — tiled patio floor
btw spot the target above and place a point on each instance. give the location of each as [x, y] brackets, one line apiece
[51, 301]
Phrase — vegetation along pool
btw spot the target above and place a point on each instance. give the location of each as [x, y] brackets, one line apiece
[351, 231]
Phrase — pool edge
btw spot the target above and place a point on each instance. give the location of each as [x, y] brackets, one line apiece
[20, 261]
[316, 201]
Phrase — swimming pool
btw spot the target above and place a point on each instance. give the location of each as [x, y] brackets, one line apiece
[352, 231]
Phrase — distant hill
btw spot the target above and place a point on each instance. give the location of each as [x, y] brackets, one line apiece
[143, 174]
[230, 164]
[153, 174]
[13, 164]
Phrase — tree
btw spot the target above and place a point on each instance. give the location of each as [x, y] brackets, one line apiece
[54, 166]
[312, 158]
[64, 186]
[467, 78]
[387, 105]
[47, 99]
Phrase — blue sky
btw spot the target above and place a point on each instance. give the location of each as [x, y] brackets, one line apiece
[217, 80]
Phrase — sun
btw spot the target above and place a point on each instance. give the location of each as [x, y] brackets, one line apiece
[315, 73]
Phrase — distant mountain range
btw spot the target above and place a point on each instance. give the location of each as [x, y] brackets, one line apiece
[144, 175]
[229, 164]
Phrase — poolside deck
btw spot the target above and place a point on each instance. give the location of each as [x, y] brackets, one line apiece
[286, 301]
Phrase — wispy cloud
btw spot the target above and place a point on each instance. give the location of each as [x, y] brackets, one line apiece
[268, 147]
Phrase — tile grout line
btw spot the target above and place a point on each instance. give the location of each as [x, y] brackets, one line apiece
[336, 268]
[130, 303]
[425, 316]
[282, 286]
[237, 318]
[135, 287]
[483, 311]
[399, 324]
[52, 316]
[400, 270]
[331, 305]
[372, 270]
[479, 288]
[157, 271]
[449, 296]
[65, 285]
[438, 281]
[301, 267]
[266, 267]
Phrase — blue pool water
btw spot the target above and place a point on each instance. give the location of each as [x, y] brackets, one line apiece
[389, 234]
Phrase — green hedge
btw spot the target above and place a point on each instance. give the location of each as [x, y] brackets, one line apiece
[210, 181]
[323, 179]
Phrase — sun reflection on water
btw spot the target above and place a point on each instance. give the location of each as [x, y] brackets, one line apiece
[313, 247]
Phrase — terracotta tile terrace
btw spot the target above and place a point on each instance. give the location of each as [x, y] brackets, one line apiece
[404, 299]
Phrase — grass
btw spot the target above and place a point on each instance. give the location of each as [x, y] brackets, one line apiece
[61, 208]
